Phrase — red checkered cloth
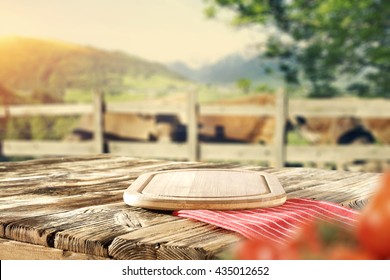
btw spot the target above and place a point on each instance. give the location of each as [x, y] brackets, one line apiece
[275, 223]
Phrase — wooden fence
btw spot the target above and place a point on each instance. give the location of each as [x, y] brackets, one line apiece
[277, 154]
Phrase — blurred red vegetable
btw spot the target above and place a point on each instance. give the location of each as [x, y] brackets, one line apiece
[343, 252]
[314, 240]
[258, 250]
[327, 240]
[374, 226]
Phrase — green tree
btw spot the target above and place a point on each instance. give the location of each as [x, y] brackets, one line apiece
[244, 85]
[333, 44]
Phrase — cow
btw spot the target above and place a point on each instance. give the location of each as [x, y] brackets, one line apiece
[380, 129]
[333, 131]
[315, 130]
[245, 129]
[117, 126]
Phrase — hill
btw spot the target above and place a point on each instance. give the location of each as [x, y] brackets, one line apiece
[28, 64]
[230, 69]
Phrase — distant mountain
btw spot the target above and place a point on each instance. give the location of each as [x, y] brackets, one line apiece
[230, 69]
[184, 70]
[34, 64]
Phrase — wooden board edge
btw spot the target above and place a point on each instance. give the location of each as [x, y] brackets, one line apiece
[15, 250]
[135, 199]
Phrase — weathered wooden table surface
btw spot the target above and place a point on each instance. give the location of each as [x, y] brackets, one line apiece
[72, 208]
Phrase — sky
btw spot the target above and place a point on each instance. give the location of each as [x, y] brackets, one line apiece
[158, 30]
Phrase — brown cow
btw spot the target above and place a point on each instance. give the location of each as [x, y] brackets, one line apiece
[118, 126]
[380, 128]
[320, 130]
[332, 131]
[250, 129]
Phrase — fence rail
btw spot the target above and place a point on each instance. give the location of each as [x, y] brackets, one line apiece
[373, 108]
[277, 154]
[46, 110]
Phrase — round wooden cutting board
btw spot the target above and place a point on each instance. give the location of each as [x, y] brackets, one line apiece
[205, 189]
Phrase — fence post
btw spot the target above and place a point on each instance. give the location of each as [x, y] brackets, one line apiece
[281, 114]
[192, 127]
[4, 120]
[98, 121]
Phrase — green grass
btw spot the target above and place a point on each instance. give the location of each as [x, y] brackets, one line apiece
[154, 82]
[293, 138]
[39, 127]
[208, 94]
[136, 88]
[77, 96]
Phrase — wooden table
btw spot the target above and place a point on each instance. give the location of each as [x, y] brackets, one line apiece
[72, 208]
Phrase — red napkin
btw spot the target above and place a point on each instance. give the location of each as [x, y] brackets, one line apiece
[275, 223]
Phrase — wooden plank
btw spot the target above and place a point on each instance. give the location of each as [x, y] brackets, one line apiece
[249, 152]
[340, 187]
[350, 189]
[27, 221]
[337, 153]
[46, 148]
[149, 150]
[14, 250]
[92, 233]
[86, 230]
[145, 108]
[322, 107]
[237, 110]
[178, 239]
[56, 185]
[47, 110]
[340, 107]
